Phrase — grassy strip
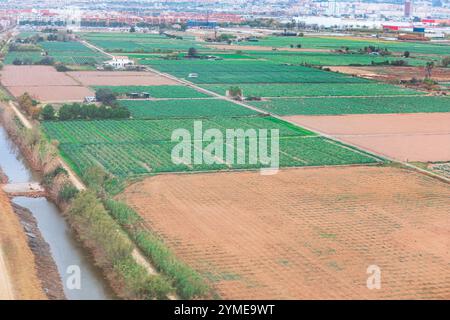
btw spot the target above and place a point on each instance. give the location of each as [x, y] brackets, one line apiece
[189, 283]
[94, 225]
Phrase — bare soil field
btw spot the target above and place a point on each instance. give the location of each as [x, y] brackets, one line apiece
[306, 233]
[54, 93]
[126, 78]
[26, 76]
[43, 83]
[406, 137]
[393, 73]
[18, 274]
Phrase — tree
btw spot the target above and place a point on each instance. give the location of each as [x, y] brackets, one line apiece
[429, 69]
[235, 92]
[132, 29]
[106, 96]
[48, 112]
[406, 54]
[192, 52]
[446, 61]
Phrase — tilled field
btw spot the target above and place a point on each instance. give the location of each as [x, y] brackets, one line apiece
[405, 137]
[305, 233]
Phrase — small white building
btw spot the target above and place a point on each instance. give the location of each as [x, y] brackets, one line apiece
[120, 62]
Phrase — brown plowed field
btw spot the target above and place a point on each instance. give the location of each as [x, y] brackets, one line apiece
[125, 78]
[43, 83]
[405, 137]
[394, 73]
[23, 76]
[305, 233]
[54, 93]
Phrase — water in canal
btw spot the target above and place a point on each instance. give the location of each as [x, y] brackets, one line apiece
[66, 251]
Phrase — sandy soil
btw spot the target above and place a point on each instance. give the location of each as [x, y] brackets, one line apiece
[23, 76]
[405, 137]
[54, 93]
[261, 48]
[126, 78]
[394, 73]
[18, 272]
[44, 83]
[305, 233]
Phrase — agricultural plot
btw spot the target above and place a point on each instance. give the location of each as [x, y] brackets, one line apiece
[126, 42]
[31, 56]
[305, 233]
[72, 52]
[185, 108]
[421, 137]
[158, 91]
[234, 72]
[354, 105]
[333, 43]
[135, 147]
[313, 89]
[43, 83]
[332, 59]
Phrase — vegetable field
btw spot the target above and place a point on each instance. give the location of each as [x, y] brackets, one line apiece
[314, 89]
[136, 147]
[158, 91]
[184, 108]
[72, 52]
[126, 42]
[32, 56]
[234, 72]
[356, 105]
[332, 43]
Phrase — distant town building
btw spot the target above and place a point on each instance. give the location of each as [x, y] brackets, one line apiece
[408, 8]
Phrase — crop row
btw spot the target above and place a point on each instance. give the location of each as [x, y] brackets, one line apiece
[184, 108]
[313, 89]
[355, 105]
[158, 91]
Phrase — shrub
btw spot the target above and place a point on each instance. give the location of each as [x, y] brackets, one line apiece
[105, 96]
[48, 112]
[67, 193]
[446, 61]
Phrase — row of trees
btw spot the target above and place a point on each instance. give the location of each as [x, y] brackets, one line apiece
[76, 111]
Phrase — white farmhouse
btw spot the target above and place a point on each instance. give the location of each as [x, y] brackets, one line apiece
[120, 62]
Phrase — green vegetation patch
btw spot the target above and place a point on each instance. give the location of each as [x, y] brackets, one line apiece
[356, 105]
[157, 91]
[314, 89]
[140, 147]
[185, 108]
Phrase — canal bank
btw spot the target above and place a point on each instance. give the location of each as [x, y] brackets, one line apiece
[69, 257]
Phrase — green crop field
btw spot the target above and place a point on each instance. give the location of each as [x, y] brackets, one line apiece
[356, 105]
[333, 59]
[33, 56]
[333, 43]
[229, 71]
[128, 42]
[166, 91]
[184, 108]
[313, 89]
[135, 147]
[72, 52]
